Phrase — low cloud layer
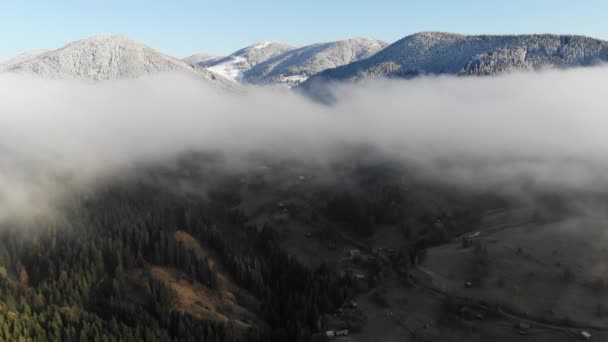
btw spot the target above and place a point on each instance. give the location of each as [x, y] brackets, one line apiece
[547, 128]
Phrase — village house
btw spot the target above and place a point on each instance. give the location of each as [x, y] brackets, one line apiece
[522, 328]
[344, 332]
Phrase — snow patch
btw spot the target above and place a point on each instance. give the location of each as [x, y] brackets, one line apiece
[231, 69]
[294, 80]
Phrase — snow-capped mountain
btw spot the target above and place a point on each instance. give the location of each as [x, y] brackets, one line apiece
[107, 57]
[448, 53]
[295, 66]
[26, 56]
[234, 65]
[267, 63]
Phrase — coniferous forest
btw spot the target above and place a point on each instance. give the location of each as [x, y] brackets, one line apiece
[79, 277]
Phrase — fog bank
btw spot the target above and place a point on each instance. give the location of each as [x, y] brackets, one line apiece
[545, 128]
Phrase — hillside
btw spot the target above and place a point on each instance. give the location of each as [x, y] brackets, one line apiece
[26, 56]
[448, 53]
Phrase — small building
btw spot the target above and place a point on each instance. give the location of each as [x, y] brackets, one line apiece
[354, 253]
[342, 332]
[586, 335]
[361, 282]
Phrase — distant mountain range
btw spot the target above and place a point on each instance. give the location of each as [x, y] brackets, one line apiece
[272, 63]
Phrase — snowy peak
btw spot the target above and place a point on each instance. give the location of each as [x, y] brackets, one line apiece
[107, 57]
[295, 66]
[234, 65]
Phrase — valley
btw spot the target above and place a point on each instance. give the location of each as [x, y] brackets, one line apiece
[362, 247]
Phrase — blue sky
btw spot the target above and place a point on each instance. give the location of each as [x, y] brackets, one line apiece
[181, 28]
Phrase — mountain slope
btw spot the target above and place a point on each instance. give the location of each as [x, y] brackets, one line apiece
[234, 65]
[26, 56]
[107, 57]
[295, 66]
[447, 53]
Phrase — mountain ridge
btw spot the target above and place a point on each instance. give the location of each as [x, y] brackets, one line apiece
[450, 53]
[270, 62]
